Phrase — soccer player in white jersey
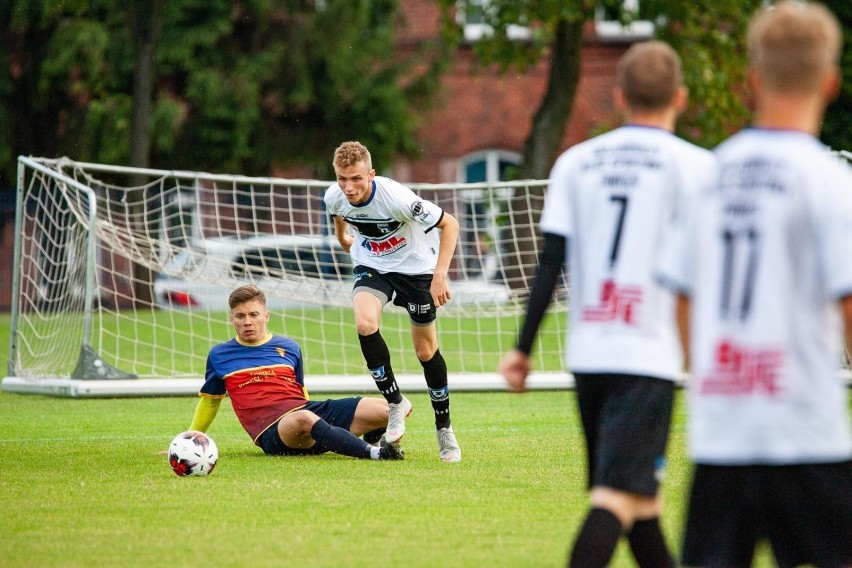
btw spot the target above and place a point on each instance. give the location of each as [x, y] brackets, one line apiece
[610, 201]
[765, 261]
[402, 246]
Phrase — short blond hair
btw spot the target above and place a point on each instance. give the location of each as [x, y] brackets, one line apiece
[245, 294]
[649, 74]
[350, 153]
[792, 44]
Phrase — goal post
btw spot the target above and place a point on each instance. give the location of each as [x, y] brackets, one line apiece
[80, 312]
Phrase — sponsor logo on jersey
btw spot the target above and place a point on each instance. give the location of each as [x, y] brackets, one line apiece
[741, 371]
[385, 247]
[281, 352]
[617, 303]
[256, 377]
[419, 308]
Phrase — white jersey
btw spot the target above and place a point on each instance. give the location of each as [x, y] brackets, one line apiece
[613, 197]
[765, 257]
[393, 228]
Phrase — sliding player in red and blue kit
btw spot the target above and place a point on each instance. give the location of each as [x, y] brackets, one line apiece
[263, 375]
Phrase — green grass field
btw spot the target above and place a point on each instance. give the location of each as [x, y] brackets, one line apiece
[82, 483]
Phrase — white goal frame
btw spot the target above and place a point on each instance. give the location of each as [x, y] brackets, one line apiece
[83, 230]
[80, 236]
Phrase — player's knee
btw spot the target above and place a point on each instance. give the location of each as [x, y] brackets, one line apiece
[300, 422]
[366, 327]
[425, 351]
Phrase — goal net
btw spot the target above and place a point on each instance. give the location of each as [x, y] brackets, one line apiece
[124, 273]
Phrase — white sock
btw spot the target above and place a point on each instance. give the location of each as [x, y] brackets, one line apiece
[374, 452]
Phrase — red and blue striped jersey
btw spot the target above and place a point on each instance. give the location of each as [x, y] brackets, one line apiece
[265, 381]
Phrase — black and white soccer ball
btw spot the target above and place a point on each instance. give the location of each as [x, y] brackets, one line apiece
[193, 453]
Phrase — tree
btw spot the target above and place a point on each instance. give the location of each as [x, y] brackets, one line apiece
[837, 128]
[144, 23]
[708, 34]
[216, 85]
[236, 86]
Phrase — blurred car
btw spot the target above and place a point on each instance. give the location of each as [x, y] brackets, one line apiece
[293, 270]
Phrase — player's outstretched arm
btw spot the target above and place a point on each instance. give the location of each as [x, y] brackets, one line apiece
[516, 365]
[205, 412]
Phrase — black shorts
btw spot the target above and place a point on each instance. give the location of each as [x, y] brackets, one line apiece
[339, 412]
[626, 421]
[804, 511]
[409, 291]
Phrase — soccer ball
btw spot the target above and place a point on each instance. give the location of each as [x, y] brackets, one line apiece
[193, 453]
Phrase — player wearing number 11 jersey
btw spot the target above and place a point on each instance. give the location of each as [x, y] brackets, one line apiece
[612, 200]
[765, 260]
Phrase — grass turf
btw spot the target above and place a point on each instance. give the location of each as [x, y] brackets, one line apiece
[82, 484]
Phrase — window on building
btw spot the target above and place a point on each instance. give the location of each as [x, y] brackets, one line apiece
[627, 23]
[480, 210]
[474, 17]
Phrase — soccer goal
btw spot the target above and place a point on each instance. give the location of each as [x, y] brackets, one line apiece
[122, 276]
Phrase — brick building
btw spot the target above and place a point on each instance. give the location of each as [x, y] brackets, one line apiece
[481, 119]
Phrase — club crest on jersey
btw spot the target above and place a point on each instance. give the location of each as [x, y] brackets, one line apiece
[417, 210]
[281, 351]
[385, 247]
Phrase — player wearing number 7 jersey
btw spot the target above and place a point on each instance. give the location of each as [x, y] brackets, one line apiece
[765, 260]
[612, 200]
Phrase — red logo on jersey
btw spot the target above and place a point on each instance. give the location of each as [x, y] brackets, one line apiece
[617, 303]
[739, 370]
[381, 248]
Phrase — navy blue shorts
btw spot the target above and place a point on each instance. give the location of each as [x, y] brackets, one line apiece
[626, 421]
[409, 291]
[339, 412]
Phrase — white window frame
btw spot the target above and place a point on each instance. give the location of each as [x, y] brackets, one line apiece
[492, 159]
[474, 32]
[613, 30]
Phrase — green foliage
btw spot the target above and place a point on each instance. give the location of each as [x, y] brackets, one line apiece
[498, 47]
[709, 35]
[837, 128]
[239, 87]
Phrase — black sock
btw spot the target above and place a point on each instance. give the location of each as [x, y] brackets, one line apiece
[435, 371]
[596, 541]
[333, 439]
[373, 436]
[649, 545]
[377, 356]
